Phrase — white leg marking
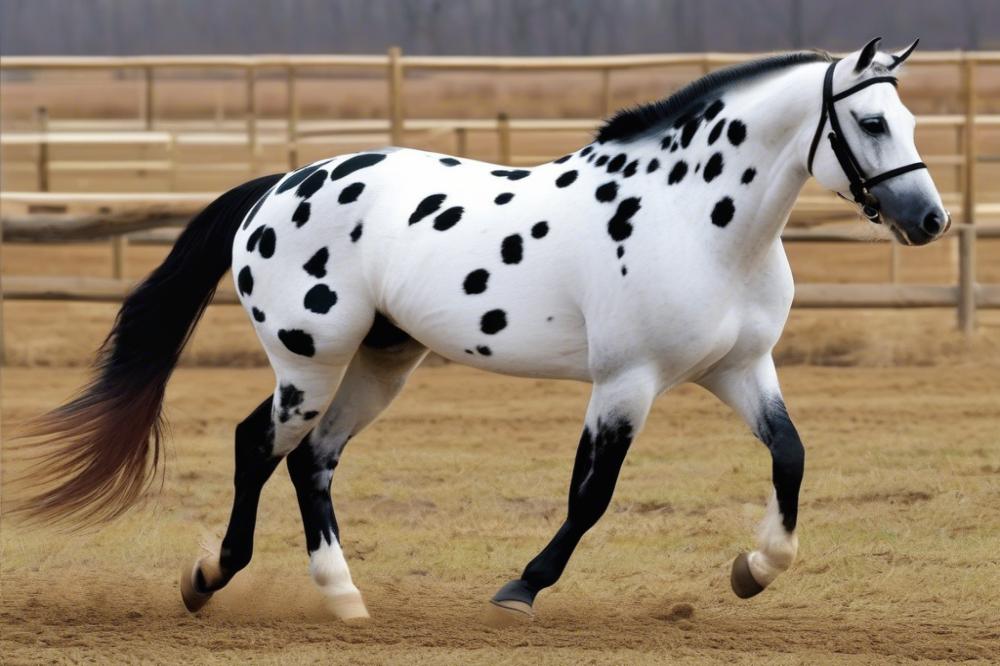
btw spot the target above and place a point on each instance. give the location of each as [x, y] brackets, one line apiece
[776, 548]
[329, 571]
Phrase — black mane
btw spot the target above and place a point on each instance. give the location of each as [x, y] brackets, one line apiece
[632, 122]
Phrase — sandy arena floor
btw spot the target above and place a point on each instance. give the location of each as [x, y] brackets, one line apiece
[464, 480]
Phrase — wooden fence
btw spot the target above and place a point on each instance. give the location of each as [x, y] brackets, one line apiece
[133, 213]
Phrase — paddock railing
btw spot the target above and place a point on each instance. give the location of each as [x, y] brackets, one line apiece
[44, 216]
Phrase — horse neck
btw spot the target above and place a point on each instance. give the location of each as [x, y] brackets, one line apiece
[780, 114]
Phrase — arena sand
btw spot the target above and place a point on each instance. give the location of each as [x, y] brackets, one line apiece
[464, 479]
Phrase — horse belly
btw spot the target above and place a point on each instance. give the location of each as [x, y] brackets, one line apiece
[511, 321]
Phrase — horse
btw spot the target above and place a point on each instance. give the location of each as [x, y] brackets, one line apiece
[648, 258]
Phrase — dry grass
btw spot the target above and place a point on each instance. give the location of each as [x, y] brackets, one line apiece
[465, 479]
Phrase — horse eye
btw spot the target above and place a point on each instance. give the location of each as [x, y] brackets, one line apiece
[873, 126]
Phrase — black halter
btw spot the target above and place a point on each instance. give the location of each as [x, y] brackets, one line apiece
[860, 184]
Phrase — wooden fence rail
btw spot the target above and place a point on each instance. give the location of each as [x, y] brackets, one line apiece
[254, 133]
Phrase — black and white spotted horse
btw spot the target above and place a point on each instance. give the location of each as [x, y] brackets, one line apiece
[648, 258]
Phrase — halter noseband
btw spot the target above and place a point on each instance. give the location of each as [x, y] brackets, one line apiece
[860, 184]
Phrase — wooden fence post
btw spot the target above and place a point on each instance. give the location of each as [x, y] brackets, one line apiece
[251, 116]
[503, 137]
[293, 118]
[606, 92]
[118, 256]
[967, 232]
[894, 262]
[42, 115]
[396, 113]
[150, 97]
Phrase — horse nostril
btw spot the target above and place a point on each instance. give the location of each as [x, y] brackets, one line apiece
[932, 223]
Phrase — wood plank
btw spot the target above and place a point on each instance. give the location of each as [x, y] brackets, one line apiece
[95, 290]
[820, 295]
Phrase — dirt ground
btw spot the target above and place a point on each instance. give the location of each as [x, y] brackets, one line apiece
[464, 480]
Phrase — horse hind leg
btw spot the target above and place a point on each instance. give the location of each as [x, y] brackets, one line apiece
[262, 440]
[374, 377]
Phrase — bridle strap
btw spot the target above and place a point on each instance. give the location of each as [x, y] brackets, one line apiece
[892, 173]
[860, 184]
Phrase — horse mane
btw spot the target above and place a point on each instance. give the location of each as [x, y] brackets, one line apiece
[632, 122]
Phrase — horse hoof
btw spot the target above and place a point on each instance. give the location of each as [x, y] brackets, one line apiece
[512, 604]
[194, 599]
[349, 607]
[742, 580]
[508, 613]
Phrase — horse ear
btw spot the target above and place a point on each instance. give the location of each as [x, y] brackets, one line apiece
[898, 58]
[867, 55]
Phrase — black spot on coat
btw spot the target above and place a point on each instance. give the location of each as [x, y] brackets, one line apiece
[607, 192]
[630, 168]
[748, 175]
[448, 218]
[737, 132]
[258, 315]
[619, 228]
[254, 237]
[503, 197]
[690, 127]
[311, 185]
[427, 206]
[289, 398]
[475, 282]
[512, 249]
[713, 109]
[722, 213]
[351, 193]
[268, 240]
[586, 151]
[601, 161]
[653, 165]
[539, 229]
[356, 232]
[355, 163]
[677, 173]
[713, 167]
[484, 350]
[566, 179]
[245, 281]
[493, 322]
[316, 266]
[301, 214]
[449, 161]
[320, 299]
[562, 159]
[297, 341]
[298, 176]
[617, 162]
[716, 131]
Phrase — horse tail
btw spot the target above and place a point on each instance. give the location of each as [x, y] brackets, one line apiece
[95, 456]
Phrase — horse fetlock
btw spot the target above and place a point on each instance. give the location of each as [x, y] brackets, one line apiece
[772, 559]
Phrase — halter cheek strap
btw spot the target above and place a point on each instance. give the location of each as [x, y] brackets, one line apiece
[860, 184]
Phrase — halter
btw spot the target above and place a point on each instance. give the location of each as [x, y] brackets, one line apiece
[860, 184]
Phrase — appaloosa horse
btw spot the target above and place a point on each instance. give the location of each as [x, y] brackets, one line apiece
[648, 258]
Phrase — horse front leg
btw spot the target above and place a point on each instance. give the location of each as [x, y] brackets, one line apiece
[754, 393]
[617, 411]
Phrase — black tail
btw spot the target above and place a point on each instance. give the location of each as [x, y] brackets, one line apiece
[96, 455]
